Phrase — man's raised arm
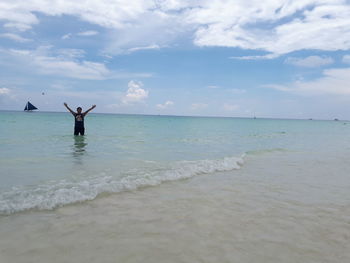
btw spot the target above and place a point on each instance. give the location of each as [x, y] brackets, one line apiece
[70, 110]
[86, 112]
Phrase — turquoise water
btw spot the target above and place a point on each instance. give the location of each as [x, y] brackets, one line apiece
[42, 165]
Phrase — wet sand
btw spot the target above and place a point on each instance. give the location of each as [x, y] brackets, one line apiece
[280, 207]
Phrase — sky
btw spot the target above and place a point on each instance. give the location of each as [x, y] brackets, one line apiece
[234, 58]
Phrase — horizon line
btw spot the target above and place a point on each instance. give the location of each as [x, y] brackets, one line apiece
[190, 116]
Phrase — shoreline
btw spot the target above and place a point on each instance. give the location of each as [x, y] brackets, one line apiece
[261, 213]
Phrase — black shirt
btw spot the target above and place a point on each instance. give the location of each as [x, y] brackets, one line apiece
[79, 120]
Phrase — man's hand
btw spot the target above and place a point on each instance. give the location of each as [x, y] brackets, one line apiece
[92, 107]
[70, 110]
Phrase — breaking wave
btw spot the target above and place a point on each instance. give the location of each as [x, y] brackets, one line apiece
[56, 194]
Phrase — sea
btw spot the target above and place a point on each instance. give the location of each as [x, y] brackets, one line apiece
[139, 188]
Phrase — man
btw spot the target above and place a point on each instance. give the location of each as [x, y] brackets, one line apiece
[79, 119]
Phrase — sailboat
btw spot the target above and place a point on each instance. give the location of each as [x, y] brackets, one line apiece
[30, 107]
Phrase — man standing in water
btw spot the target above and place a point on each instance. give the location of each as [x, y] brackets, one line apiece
[79, 119]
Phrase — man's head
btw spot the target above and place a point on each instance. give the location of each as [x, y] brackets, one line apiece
[79, 109]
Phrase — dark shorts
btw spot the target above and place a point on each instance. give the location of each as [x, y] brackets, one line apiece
[78, 130]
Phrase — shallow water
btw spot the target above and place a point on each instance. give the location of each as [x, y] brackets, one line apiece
[173, 189]
[279, 207]
[44, 166]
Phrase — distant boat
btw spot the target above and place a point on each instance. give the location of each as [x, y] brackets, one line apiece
[30, 107]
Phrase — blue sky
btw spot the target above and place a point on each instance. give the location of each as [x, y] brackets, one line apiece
[240, 58]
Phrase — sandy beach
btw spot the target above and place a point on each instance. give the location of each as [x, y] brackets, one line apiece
[261, 213]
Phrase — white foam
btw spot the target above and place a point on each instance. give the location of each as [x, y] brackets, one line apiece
[50, 196]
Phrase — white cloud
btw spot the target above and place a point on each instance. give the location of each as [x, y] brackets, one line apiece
[271, 26]
[19, 13]
[165, 105]
[198, 106]
[309, 62]
[135, 93]
[130, 50]
[230, 107]
[17, 26]
[106, 13]
[87, 33]
[64, 63]
[346, 59]
[82, 34]
[213, 87]
[15, 37]
[268, 56]
[67, 36]
[161, 30]
[72, 69]
[4, 91]
[333, 82]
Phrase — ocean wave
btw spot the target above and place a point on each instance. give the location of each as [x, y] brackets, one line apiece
[56, 194]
